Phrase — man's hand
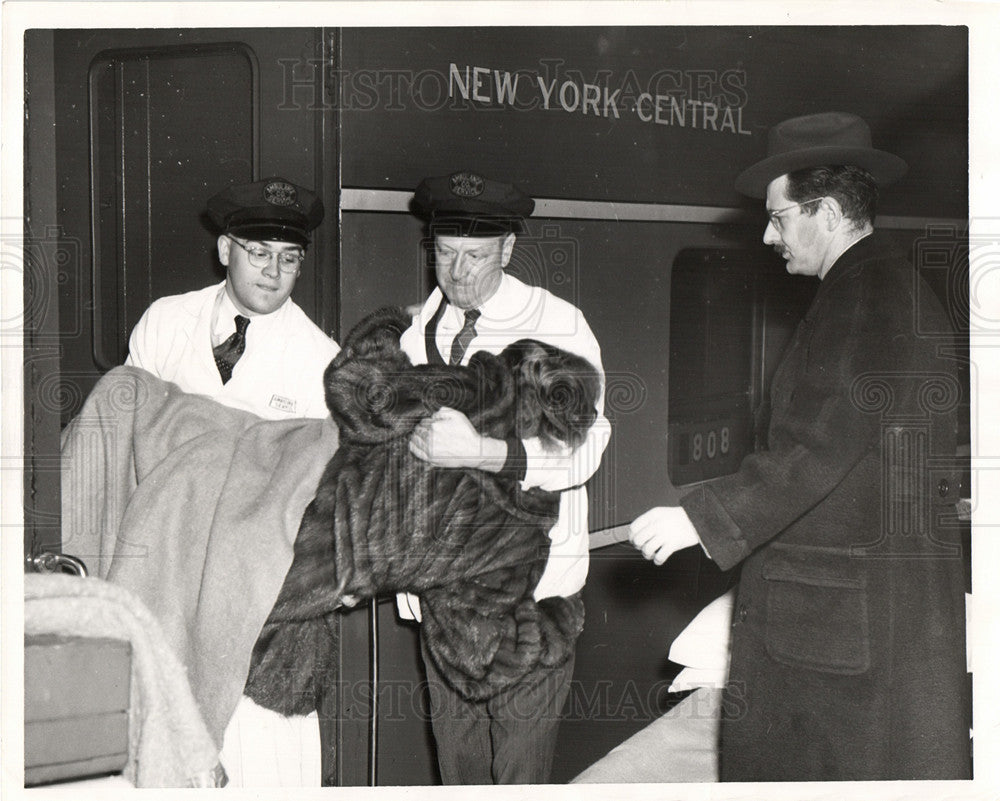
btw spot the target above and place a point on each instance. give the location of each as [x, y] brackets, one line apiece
[447, 439]
[661, 531]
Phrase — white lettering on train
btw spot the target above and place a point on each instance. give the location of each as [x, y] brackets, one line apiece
[500, 87]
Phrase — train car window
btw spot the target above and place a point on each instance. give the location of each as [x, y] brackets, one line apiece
[731, 314]
[148, 159]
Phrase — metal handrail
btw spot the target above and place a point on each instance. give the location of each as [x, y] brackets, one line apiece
[373, 674]
[48, 562]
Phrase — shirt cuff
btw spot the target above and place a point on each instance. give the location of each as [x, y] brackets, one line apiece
[516, 464]
[408, 606]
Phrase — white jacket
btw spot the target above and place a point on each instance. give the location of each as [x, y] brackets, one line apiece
[279, 376]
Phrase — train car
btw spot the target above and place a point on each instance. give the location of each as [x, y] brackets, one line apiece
[628, 138]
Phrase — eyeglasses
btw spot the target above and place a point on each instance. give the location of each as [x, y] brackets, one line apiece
[259, 256]
[775, 216]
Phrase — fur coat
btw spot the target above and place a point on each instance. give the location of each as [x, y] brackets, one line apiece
[472, 544]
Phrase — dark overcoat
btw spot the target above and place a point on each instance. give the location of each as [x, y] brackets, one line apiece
[848, 636]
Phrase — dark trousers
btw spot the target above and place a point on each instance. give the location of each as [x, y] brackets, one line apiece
[509, 739]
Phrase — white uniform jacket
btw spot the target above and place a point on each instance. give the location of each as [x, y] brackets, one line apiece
[279, 376]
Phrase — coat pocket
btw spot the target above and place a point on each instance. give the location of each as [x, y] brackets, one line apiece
[816, 612]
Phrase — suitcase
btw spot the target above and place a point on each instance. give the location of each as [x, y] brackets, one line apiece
[76, 702]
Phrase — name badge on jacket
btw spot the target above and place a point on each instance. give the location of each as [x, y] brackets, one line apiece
[282, 404]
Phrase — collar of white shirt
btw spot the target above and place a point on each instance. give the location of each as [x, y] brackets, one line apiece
[224, 318]
[504, 309]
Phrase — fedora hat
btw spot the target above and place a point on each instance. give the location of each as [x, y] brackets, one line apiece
[817, 140]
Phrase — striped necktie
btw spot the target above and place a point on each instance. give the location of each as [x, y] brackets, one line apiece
[229, 352]
[465, 336]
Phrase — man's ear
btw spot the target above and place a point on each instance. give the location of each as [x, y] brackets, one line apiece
[508, 248]
[223, 244]
[833, 214]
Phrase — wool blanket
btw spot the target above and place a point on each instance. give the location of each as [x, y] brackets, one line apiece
[472, 544]
[193, 507]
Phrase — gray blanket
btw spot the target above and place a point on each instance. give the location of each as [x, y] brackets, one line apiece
[194, 508]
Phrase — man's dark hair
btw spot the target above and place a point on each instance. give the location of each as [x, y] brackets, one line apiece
[853, 187]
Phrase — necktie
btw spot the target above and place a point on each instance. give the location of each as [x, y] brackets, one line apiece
[465, 336]
[229, 352]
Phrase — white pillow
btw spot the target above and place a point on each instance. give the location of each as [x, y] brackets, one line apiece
[703, 646]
